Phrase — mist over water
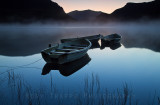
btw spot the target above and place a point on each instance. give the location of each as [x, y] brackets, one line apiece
[30, 39]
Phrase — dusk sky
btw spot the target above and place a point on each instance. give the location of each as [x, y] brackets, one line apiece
[107, 6]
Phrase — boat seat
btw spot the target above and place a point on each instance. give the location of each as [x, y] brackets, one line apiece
[79, 45]
[67, 49]
[59, 52]
[75, 47]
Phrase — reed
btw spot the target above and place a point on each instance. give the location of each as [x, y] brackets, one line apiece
[21, 93]
[158, 100]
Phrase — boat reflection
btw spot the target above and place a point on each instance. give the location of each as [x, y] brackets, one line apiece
[112, 45]
[95, 45]
[103, 45]
[67, 69]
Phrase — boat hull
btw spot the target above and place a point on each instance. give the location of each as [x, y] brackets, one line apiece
[63, 58]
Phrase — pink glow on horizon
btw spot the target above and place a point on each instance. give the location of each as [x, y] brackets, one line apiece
[107, 6]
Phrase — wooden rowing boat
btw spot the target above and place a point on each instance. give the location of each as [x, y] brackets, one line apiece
[93, 39]
[67, 51]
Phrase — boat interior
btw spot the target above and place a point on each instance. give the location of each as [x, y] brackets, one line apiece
[67, 48]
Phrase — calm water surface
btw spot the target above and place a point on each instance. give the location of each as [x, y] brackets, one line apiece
[135, 62]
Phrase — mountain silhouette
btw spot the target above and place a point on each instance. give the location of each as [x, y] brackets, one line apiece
[31, 10]
[45, 10]
[85, 15]
[133, 11]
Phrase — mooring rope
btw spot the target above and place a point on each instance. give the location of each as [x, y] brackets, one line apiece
[22, 66]
[30, 63]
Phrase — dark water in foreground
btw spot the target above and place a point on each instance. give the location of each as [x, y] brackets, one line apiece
[134, 67]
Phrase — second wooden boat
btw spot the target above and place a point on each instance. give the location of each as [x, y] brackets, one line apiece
[93, 39]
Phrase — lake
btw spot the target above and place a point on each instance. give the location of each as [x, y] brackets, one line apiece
[125, 73]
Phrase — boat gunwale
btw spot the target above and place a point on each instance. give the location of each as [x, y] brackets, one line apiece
[76, 51]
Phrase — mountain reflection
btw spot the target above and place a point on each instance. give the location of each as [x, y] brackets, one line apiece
[67, 69]
[29, 41]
